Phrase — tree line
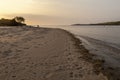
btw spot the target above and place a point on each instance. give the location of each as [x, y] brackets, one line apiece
[16, 21]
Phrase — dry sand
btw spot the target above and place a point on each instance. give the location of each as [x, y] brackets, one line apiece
[42, 54]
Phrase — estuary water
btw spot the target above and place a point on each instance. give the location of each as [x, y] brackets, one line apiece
[103, 41]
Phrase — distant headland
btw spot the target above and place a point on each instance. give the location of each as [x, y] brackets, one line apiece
[16, 21]
[105, 23]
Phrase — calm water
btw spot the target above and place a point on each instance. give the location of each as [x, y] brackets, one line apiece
[104, 33]
[104, 41]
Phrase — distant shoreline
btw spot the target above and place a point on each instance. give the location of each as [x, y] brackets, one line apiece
[117, 23]
[93, 25]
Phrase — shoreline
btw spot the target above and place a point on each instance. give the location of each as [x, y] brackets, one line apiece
[111, 72]
[63, 54]
[98, 64]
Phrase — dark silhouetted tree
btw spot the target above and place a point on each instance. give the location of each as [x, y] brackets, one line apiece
[19, 19]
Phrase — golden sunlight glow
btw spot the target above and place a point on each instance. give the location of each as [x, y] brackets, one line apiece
[24, 6]
[61, 11]
[14, 6]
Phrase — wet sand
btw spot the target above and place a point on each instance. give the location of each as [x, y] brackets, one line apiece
[28, 53]
[108, 52]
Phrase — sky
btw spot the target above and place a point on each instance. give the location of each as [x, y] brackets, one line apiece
[61, 12]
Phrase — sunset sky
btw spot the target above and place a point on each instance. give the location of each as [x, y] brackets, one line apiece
[60, 12]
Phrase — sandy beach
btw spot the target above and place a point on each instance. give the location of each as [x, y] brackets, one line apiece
[28, 53]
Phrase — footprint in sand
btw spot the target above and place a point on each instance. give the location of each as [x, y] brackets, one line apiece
[48, 75]
[7, 53]
[26, 47]
[18, 50]
[71, 74]
[75, 75]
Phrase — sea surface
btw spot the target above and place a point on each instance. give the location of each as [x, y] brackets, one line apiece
[103, 41]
